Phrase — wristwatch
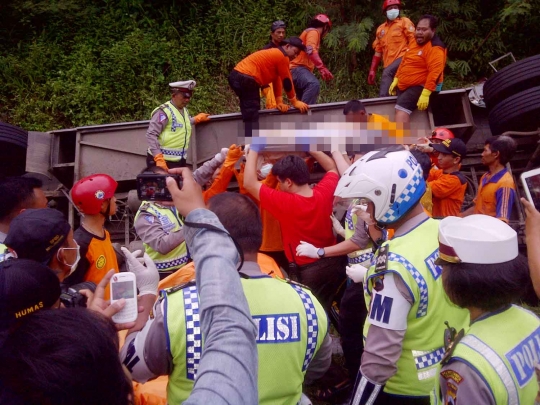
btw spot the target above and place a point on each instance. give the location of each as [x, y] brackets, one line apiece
[320, 252]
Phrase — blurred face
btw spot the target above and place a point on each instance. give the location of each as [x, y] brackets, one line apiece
[358, 116]
[291, 51]
[181, 98]
[278, 35]
[424, 33]
[489, 157]
[40, 201]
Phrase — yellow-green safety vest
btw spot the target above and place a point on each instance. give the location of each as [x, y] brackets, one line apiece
[413, 256]
[291, 325]
[504, 349]
[170, 221]
[174, 139]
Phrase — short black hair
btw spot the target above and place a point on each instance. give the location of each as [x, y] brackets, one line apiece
[423, 160]
[353, 106]
[505, 145]
[314, 23]
[292, 167]
[64, 356]
[486, 286]
[240, 217]
[154, 169]
[17, 193]
[433, 21]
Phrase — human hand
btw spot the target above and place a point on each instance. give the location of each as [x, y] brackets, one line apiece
[160, 161]
[371, 77]
[326, 75]
[337, 226]
[307, 249]
[423, 100]
[532, 222]
[303, 107]
[356, 272]
[201, 117]
[96, 302]
[234, 153]
[393, 87]
[147, 277]
[188, 198]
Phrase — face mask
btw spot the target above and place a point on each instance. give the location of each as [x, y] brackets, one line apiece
[392, 14]
[266, 169]
[73, 266]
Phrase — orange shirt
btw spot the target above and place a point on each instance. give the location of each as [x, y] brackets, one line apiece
[268, 66]
[312, 40]
[496, 195]
[220, 183]
[448, 192]
[422, 65]
[393, 38]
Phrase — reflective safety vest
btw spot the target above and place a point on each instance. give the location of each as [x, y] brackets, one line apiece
[504, 349]
[412, 256]
[170, 222]
[291, 325]
[361, 256]
[174, 139]
[3, 252]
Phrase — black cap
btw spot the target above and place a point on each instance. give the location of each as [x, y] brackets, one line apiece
[25, 287]
[37, 234]
[295, 41]
[451, 147]
[278, 24]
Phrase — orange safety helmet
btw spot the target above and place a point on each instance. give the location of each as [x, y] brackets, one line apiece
[88, 194]
[388, 3]
[325, 20]
[442, 134]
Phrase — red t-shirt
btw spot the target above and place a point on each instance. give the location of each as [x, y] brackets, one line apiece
[303, 218]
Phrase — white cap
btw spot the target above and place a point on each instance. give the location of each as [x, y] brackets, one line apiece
[185, 85]
[479, 239]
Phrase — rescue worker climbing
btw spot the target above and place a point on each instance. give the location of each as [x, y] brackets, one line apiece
[277, 34]
[493, 360]
[306, 84]
[404, 294]
[391, 42]
[260, 69]
[169, 131]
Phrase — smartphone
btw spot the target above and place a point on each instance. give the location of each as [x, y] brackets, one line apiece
[531, 185]
[153, 187]
[123, 285]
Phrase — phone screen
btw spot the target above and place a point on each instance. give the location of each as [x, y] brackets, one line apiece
[153, 187]
[122, 289]
[533, 184]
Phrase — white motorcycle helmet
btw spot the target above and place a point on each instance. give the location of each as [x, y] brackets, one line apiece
[391, 179]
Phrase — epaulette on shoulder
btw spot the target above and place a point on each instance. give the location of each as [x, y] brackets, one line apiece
[292, 282]
[176, 288]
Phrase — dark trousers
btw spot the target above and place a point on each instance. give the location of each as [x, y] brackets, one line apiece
[387, 399]
[352, 316]
[279, 257]
[387, 78]
[248, 91]
[171, 165]
[324, 277]
[306, 85]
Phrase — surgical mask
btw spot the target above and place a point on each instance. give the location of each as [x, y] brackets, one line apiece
[266, 169]
[392, 14]
[73, 266]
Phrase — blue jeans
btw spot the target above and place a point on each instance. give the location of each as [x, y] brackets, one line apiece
[306, 85]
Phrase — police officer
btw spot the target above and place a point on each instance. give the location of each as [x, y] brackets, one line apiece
[494, 363]
[169, 131]
[404, 293]
[292, 338]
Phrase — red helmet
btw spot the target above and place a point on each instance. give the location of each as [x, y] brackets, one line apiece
[388, 3]
[442, 134]
[89, 193]
[324, 19]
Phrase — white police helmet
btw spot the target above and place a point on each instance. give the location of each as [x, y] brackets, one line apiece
[391, 179]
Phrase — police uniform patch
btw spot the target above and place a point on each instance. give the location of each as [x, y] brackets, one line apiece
[411, 28]
[451, 393]
[100, 194]
[101, 262]
[381, 262]
[452, 375]
[149, 218]
[162, 117]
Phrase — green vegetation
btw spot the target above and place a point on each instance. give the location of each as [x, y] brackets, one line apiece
[66, 63]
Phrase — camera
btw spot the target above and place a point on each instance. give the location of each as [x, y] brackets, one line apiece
[72, 298]
[153, 187]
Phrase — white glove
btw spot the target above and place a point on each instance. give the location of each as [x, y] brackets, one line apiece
[337, 226]
[222, 155]
[360, 212]
[307, 249]
[357, 272]
[246, 149]
[147, 277]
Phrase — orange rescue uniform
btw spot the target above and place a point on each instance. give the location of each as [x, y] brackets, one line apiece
[268, 66]
[393, 38]
[448, 192]
[422, 65]
[312, 40]
[496, 195]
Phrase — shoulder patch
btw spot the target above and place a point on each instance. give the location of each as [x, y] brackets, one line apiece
[150, 219]
[162, 117]
[452, 375]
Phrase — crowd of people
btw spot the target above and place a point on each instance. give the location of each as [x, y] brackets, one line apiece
[242, 296]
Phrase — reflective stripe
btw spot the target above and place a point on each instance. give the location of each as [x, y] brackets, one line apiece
[193, 332]
[312, 325]
[418, 278]
[173, 152]
[427, 359]
[172, 263]
[361, 259]
[497, 363]
[365, 383]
